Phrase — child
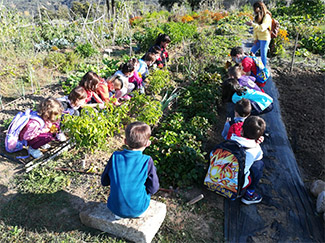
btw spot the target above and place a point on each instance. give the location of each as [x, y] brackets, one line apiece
[135, 79]
[248, 64]
[131, 174]
[90, 83]
[236, 72]
[162, 42]
[252, 131]
[242, 111]
[147, 61]
[36, 134]
[75, 100]
[232, 91]
[125, 71]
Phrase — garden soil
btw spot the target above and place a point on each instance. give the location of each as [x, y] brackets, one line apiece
[302, 107]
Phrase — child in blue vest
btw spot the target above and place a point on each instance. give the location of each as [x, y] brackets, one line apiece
[131, 174]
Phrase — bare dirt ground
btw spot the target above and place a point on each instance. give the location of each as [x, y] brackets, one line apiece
[302, 104]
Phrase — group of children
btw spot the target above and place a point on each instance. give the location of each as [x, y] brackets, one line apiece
[246, 100]
[131, 174]
[92, 91]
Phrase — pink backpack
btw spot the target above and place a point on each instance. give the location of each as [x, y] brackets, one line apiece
[12, 142]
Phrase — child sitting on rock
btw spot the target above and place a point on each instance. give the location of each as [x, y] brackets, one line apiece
[234, 126]
[131, 174]
[252, 131]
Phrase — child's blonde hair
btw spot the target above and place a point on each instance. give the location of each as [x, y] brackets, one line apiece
[50, 109]
[137, 135]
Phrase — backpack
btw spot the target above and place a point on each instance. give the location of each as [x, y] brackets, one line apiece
[262, 74]
[225, 175]
[12, 142]
[275, 26]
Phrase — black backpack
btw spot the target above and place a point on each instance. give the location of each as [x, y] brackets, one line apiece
[225, 175]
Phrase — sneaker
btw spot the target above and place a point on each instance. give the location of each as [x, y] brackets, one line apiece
[46, 146]
[61, 137]
[36, 153]
[255, 198]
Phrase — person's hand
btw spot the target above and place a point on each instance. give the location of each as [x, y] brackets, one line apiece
[101, 105]
[260, 140]
[249, 23]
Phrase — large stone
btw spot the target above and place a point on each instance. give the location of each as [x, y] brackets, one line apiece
[98, 216]
[317, 187]
[320, 204]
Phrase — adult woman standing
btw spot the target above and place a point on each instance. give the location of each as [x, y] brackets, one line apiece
[261, 29]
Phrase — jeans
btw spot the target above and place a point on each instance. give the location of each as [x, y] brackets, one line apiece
[256, 173]
[263, 45]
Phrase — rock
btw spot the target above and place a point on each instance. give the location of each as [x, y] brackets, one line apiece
[317, 187]
[320, 204]
[98, 216]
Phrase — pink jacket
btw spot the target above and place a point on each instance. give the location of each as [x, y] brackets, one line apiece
[33, 129]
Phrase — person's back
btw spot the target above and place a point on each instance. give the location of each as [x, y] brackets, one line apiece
[252, 131]
[131, 174]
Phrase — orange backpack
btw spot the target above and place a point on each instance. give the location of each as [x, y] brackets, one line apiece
[275, 26]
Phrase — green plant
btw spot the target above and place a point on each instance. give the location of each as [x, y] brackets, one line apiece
[314, 43]
[63, 62]
[157, 81]
[145, 108]
[42, 180]
[86, 50]
[178, 158]
[91, 129]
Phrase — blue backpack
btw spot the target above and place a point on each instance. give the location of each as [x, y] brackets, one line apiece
[12, 142]
[262, 74]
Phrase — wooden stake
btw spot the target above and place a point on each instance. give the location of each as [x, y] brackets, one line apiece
[294, 52]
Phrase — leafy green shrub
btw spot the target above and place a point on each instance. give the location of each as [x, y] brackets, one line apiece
[177, 32]
[202, 97]
[91, 129]
[314, 43]
[145, 108]
[63, 62]
[157, 81]
[86, 50]
[178, 158]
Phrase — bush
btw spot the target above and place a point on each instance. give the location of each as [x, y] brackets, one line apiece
[86, 50]
[157, 81]
[314, 43]
[92, 128]
[63, 62]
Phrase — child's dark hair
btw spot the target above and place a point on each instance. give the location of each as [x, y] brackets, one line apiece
[236, 50]
[229, 87]
[90, 81]
[127, 67]
[162, 38]
[253, 127]
[235, 71]
[50, 109]
[78, 93]
[134, 61]
[243, 107]
[155, 50]
[149, 57]
[137, 135]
